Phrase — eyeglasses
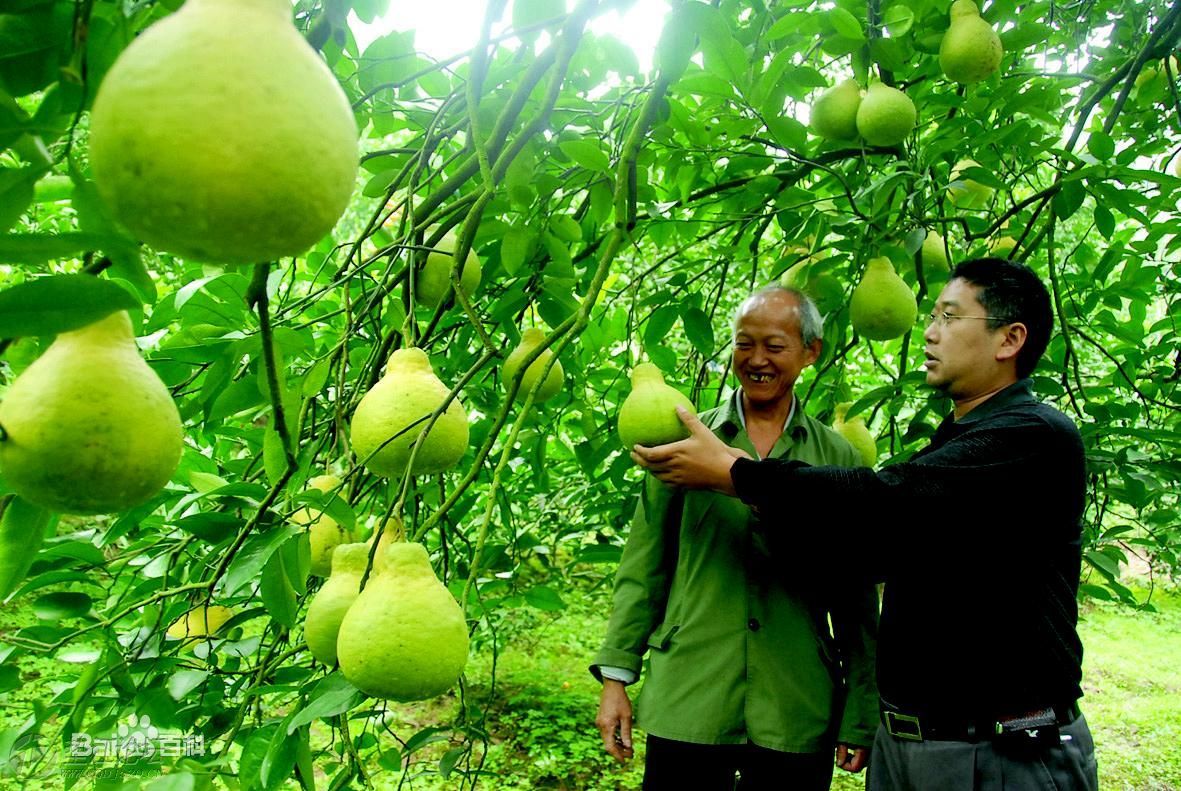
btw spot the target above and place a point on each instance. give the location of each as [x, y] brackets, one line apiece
[943, 318]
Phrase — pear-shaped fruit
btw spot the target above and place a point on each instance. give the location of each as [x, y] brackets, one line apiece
[404, 638]
[1002, 246]
[834, 113]
[392, 415]
[857, 433]
[967, 193]
[649, 413]
[886, 115]
[934, 253]
[971, 50]
[434, 278]
[89, 428]
[220, 135]
[333, 600]
[324, 533]
[204, 621]
[530, 339]
[883, 306]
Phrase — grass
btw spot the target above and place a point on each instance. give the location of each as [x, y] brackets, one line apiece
[540, 721]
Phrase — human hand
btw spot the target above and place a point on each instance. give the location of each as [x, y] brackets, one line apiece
[700, 462]
[615, 720]
[852, 759]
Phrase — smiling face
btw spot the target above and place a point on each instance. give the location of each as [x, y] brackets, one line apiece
[966, 358]
[768, 350]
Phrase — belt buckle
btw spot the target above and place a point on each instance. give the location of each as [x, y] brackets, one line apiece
[910, 730]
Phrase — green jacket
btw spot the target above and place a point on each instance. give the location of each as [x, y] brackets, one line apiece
[735, 653]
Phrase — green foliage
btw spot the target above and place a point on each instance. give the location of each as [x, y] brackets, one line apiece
[626, 214]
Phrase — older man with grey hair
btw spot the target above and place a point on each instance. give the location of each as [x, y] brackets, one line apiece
[750, 673]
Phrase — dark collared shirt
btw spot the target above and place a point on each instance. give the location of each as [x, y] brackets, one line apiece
[977, 537]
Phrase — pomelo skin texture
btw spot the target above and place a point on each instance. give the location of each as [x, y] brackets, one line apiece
[220, 135]
[89, 428]
[434, 279]
[333, 600]
[405, 637]
[857, 433]
[324, 534]
[834, 113]
[407, 394]
[883, 306]
[970, 50]
[649, 413]
[530, 339]
[885, 116]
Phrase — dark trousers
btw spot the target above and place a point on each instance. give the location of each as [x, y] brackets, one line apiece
[681, 766]
[899, 765]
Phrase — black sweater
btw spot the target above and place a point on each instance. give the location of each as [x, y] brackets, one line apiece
[977, 538]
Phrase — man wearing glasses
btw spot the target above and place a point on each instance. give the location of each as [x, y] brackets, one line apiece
[977, 537]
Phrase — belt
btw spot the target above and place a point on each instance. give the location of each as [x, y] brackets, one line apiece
[930, 727]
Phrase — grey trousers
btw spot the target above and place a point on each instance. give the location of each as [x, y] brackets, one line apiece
[899, 765]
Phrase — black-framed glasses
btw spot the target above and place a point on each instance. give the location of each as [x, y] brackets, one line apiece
[943, 318]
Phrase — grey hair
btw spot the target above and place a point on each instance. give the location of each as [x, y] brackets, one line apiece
[810, 320]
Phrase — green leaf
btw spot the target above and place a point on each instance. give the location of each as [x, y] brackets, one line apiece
[248, 563]
[516, 246]
[1104, 221]
[1069, 199]
[659, 323]
[527, 13]
[846, 24]
[16, 193]
[37, 248]
[332, 697]
[898, 19]
[63, 604]
[587, 152]
[1101, 146]
[699, 330]
[274, 588]
[544, 598]
[22, 532]
[182, 682]
[678, 42]
[59, 303]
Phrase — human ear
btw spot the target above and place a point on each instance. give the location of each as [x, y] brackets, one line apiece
[1012, 341]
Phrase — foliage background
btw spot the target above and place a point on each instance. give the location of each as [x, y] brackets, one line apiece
[625, 213]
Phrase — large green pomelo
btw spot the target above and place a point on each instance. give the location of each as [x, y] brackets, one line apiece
[220, 135]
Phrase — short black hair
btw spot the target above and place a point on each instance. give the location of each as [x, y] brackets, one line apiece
[1012, 292]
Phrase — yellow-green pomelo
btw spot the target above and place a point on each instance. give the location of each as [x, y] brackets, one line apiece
[404, 637]
[834, 113]
[934, 252]
[324, 533]
[530, 339]
[201, 622]
[886, 115]
[857, 433]
[333, 600]
[1002, 246]
[649, 413]
[220, 135]
[966, 193]
[392, 415]
[89, 428]
[434, 278]
[883, 306]
[971, 50]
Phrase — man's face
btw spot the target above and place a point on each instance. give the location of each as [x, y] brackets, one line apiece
[961, 354]
[768, 351]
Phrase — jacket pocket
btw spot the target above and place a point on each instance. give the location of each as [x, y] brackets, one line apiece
[660, 639]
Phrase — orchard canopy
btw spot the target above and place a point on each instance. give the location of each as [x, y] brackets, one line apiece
[622, 210]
